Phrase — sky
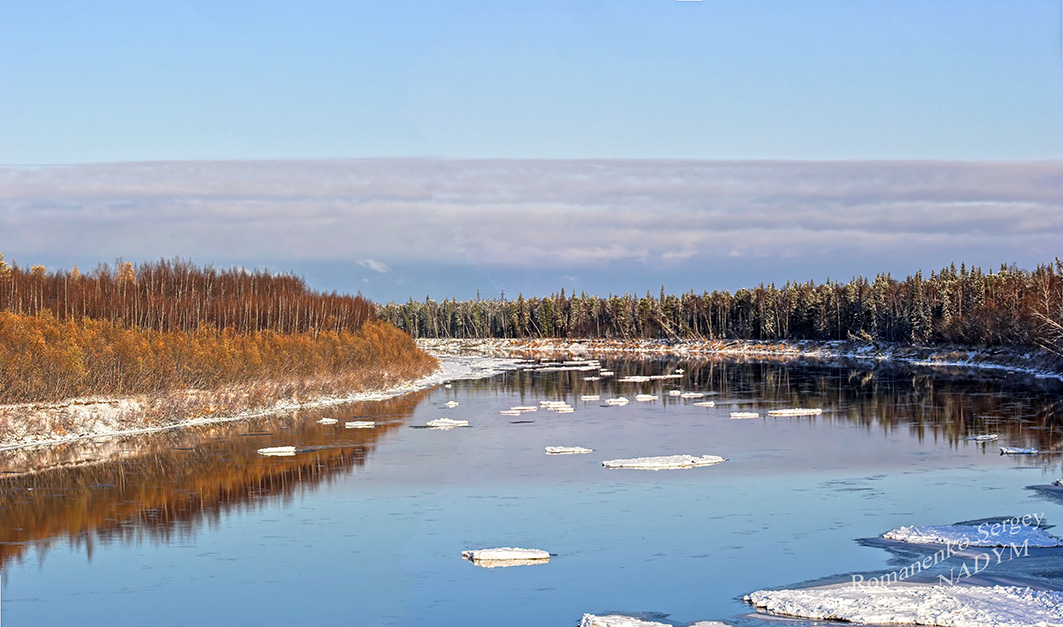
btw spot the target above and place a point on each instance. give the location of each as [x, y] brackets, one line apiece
[411, 149]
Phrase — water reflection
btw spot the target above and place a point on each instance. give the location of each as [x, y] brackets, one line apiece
[179, 480]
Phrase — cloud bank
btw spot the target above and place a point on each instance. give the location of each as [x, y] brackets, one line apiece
[510, 218]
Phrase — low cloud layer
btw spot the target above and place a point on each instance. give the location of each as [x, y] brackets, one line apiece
[509, 218]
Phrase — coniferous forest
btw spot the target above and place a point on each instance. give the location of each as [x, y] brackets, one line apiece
[1011, 308]
[170, 326]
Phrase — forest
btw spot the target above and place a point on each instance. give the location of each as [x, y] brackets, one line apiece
[1011, 308]
[169, 326]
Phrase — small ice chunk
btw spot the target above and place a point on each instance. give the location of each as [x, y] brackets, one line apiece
[674, 393]
[606, 373]
[591, 378]
[524, 408]
[564, 410]
[1003, 533]
[327, 421]
[566, 450]
[620, 400]
[452, 403]
[986, 437]
[510, 412]
[506, 556]
[447, 423]
[277, 450]
[590, 397]
[633, 379]
[903, 603]
[795, 412]
[359, 424]
[705, 404]
[743, 415]
[617, 620]
[666, 462]
[692, 395]
[642, 398]
[1011, 450]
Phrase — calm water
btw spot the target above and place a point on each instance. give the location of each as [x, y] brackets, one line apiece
[366, 527]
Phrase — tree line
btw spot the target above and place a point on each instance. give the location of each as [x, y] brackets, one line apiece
[1011, 307]
[175, 295]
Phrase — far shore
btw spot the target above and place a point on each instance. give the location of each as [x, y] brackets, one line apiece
[97, 418]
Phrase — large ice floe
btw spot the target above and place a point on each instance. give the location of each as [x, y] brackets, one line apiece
[506, 556]
[1012, 450]
[917, 604]
[1017, 531]
[667, 462]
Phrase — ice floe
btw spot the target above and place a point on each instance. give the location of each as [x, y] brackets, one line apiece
[667, 462]
[327, 421]
[692, 395]
[1011, 450]
[674, 393]
[705, 404]
[524, 408]
[620, 400]
[1003, 533]
[277, 450]
[742, 415]
[510, 412]
[987, 437]
[633, 379]
[446, 423]
[566, 450]
[359, 424]
[620, 620]
[643, 398]
[914, 604]
[506, 556]
[797, 411]
[606, 373]
[451, 403]
[590, 397]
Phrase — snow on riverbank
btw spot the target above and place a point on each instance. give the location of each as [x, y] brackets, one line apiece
[915, 604]
[32, 424]
[1004, 533]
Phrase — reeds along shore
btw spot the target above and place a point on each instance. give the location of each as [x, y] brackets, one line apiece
[1011, 308]
[172, 327]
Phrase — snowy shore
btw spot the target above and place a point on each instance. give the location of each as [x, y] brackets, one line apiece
[937, 357]
[100, 418]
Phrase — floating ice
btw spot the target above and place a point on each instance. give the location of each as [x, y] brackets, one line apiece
[360, 424]
[914, 604]
[277, 450]
[506, 556]
[606, 373]
[705, 404]
[742, 415]
[633, 379]
[566, 450]
[620, 400]
[589, 397]
[525, 408]
[591, 378]
[988, 437]
[1004, 533]
[446, 423]
[452, 403]
[1011, 450]
[692, 395]
[327, 421]
[795, 412]
[674, 393]
[510, 412]
[619, 620]
[642, 398]
[667, 462]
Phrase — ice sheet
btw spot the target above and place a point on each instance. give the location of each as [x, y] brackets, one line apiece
[1003, 533]
[667, 462]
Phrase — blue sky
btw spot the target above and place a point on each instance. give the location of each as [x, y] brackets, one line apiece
[918, 82]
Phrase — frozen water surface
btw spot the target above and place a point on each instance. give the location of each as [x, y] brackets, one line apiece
[365, 526]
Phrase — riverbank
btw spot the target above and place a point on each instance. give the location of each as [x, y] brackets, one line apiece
[50, 424]
[1041, 365]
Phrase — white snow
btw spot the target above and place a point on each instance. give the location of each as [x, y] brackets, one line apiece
[692, 395]
[633, 379]
[1011, 450]
[1005, 533]
[617, 620]
[590, 397]
[327, 421]
[620, 400]
[510, 412]
[643, 398]
[447, 423]
[277, 450]
[666, 462]
[566, 450]
[988, 437]
[674, 393]
[795, 412]
[359, 424]
[914, 604]
[506, 556]
[452, 403]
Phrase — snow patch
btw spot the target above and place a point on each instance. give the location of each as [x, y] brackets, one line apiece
[1003, 533]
